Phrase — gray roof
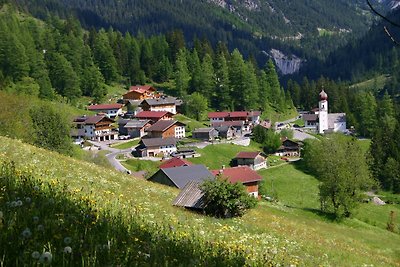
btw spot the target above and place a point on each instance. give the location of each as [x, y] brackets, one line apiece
[203, 130]
[160, 101]
[180, 176]
[163, 125]
[310, 117]
[155, 142]
[136, 123]
[190, 196]
[223, 129]
[335, 118]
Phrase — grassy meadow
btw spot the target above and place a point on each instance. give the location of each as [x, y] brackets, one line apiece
[123, 219]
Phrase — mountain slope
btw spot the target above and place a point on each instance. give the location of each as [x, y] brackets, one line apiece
[273, 232]
[311, 28]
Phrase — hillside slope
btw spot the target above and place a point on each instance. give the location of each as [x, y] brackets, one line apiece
[252, 26]
[270, 232]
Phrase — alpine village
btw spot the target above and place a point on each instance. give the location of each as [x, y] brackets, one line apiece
[199, 133]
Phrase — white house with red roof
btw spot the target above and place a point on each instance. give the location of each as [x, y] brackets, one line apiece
[241, 174]
[111, 110]
[254, 160]
[248, 117]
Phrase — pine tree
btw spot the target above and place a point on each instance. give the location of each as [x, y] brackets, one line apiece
[104, 57]
[237, 78]
[222, 90]
[273, 80]
[182, 75]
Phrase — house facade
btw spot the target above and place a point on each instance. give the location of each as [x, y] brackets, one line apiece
[97, 128]
[111, 110]
[154, 116]
[289, 148]
[226, 132]
[254, 160]
[133, 128]
[159, 104]
[207, 134]
[140, 92]
[248, 117]
[166, 128]
[241, 174]
[155, 147]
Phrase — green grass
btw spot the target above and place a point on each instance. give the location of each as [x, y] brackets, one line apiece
[135, 165]
[191, 124]
[126, 145]
[141, 218]
[299, 122]
[214, 156]
[374, 84]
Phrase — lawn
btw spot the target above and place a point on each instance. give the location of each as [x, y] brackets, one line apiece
[191, 124]
[126, 145]
[374, 84]
[152, 232]
[214, 156]
[135, 165]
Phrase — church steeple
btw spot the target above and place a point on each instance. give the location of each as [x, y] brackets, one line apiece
[323, 112]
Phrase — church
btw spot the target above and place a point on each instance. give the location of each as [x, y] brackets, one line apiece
[323, 122]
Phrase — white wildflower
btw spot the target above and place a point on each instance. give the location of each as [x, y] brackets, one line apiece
[40, 228]
[28, 200]
[36, 255]
[19, 203]
[67, 240]
[46, 258]
[27, 233]
[67, 250]
[35, 219]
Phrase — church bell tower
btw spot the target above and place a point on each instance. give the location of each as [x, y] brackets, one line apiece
[323, 112]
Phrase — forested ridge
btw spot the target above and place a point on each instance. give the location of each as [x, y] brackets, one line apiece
[323, 25]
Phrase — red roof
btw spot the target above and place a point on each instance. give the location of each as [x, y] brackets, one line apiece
[222, 114]
[238, 114]
[152, 114]
[175, 162]
[141, 89]
[242, 174]
[105, 106]
[247, 155]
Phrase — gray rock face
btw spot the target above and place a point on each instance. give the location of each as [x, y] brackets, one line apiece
[286, 64]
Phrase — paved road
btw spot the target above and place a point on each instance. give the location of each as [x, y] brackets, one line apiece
[300, 135]
[114, 152]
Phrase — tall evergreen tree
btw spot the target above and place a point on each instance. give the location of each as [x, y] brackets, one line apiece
[182, 75]
[104, 57]
[223, 100]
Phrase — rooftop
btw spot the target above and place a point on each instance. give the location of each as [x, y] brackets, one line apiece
[152, 114]
[155, 142]
[247, 155]
[160, 101]
[162, 125]
[174, 162]
[180, 176]
[105, 106]
[241, 174]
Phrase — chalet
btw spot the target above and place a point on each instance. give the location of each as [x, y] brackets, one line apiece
[166, 128]
[98, 128]
[154, 116]
[266, 124]
[133, 128]
[175, 162]
[241, 174]
[226, 132]
[180, 176]
[238, 126]
[252, 159]
[249, 117]
[310, 120]
[78, 136]
[208, 134]
[159, 104]
[111, 110]
[289, 148]
[140, 92]
[153, 147]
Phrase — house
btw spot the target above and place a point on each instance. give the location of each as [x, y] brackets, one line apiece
[289, 148]
[190, 197]
[249, 117]
[241, 174]
[78, 136]
[153, 147]
[322, 121]
[238, 126]
[266, 124]
[252, 159]
[180, 176]
[166, 128]
[140, 92]
[97, 128]
[159, 104]
[175, 162]
[111, 110]
[208, 134]
[226, 132]
[133, 128]
[185, 153]
[154, 116]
